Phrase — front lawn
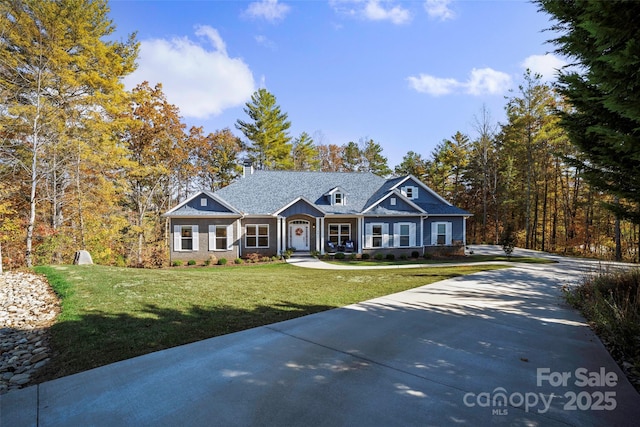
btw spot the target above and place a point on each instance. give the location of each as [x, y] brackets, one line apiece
[110, 314]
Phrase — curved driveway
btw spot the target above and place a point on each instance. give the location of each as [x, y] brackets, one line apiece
[497, 347]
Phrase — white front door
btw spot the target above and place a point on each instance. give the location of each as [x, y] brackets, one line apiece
[299, 235]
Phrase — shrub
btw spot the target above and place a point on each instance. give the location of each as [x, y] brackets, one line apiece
[213, 260]
[238, 261]
[340, 255]
[207, 262]
[366, 256]
[222, 261]
[353, 257]
[404, 257]
[415, 254]
[390, 257]
[177, 263]
[265, 259]
[191, 262]
[274, 258]
[427, 255]
[252, 257]
[378, 257]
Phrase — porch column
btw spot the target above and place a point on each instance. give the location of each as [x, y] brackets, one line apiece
[464, 232]
[239, 227]
[318, 241]
[283, 228]
[360, 234]
[322, 235]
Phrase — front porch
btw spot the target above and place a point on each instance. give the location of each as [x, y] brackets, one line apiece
[306, 233]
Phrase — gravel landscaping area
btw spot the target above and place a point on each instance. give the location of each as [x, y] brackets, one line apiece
[28, 306]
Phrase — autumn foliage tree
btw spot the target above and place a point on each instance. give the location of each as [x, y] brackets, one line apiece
[154, 136]
[59, 78]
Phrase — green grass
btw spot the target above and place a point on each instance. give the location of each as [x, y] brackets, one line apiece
[450, 260]
[110, 314]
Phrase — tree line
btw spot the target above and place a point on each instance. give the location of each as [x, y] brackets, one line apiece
[85, 164]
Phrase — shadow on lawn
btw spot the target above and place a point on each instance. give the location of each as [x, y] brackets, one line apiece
[99, 338]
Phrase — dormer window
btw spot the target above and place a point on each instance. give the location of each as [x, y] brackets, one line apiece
[410, 192]
[336, 196]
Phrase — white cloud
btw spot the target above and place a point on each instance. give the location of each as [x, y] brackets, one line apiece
[487, 81]
[430, 85]
[372, 10]
[545, 65]
[269, 10]
[484, 81]
[201, 82]
[439, 9]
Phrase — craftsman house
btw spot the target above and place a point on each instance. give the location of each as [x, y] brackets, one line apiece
[267, 212]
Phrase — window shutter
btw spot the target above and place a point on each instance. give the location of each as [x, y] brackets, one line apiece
[196, 238]
[368, 238]
[434, 233]
[212, 237]
[415, 193]
[385, 235]
[230, 237]
[396, 235]
[412, 234]
[177, 243]
[449, 232]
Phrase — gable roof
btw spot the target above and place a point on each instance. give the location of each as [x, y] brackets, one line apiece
[187, 208]
[269, 193]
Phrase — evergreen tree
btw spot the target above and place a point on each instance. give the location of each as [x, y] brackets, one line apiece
[351, 157]
[372, 159]
[267, 132]
[305, 154]
[603, 39]
[412, 164]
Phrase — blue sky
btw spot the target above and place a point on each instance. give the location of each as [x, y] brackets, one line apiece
[406, 74]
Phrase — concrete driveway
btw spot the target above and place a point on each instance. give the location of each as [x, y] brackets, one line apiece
[497, 347]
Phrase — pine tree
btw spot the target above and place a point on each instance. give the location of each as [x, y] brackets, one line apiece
[267, 132]
[305, 154]
[603, 40]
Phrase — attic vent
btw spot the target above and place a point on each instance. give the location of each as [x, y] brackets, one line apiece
[203, 201]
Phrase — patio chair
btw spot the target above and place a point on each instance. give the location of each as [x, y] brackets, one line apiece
[349, 246]
[331, 248]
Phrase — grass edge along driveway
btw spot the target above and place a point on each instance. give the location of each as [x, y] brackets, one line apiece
[111, 314]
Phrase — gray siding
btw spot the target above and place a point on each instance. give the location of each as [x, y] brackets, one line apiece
[203, 253]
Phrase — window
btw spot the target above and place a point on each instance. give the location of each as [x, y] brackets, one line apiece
[393, 201]
[404, 235]
[185, 237]
[203, 201]
[257, 236]
[338, 199]
[220, 237]
[376, 235]
[441, 233]
[410, 191]
[339, 233]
